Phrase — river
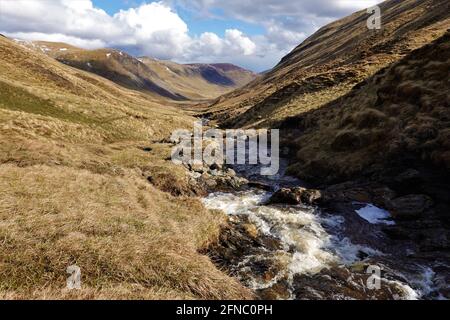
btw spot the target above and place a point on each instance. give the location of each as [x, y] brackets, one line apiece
[315, 257]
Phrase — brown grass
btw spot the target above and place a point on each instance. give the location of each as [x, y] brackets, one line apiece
[76, 153]
[118, 230]
[399, 117]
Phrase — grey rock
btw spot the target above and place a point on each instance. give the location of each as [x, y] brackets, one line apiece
[410, 207]
[231, 172]
[295, 196]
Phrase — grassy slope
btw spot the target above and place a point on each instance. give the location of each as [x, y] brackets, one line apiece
[161, 78]
[200, 81]
[74, 190]
[329, 63]
[400, 117]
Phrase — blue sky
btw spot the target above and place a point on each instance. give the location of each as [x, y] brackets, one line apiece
[113, 6]
[253, 34]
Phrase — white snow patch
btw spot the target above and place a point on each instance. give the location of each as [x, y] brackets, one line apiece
[63, 49]
[108, 55]
[375, 215]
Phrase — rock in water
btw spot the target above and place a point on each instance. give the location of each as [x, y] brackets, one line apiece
[410, 206]
[295, 196]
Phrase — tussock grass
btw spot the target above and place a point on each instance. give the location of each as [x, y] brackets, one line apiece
[118, 230]
[75, 158]
[399, 116]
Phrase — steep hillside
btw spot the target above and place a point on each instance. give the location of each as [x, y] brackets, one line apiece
[400, 115]
[163, 78]
[77, 155]
[393, 129]
[329, 63]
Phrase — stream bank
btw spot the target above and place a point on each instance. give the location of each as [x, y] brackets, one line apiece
[321, 249]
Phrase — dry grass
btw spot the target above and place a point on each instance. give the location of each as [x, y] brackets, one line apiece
[119, 230]
[75, 156]
[399, 117]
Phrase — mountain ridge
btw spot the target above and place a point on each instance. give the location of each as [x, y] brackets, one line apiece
[164, 78]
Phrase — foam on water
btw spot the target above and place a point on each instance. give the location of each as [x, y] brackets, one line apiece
[307, 248]
[311, 241]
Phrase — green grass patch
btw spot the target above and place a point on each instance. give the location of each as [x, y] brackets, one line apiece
[17, 99]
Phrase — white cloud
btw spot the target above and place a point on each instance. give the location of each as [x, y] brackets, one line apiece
[151, 29]
[286, 22]
[239, 43]
[252, 11]
[155, 29]
[58, 37]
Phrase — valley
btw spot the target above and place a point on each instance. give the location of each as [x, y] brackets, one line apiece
[87, 176]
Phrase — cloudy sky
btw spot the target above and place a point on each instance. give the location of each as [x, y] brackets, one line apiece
[255, 34]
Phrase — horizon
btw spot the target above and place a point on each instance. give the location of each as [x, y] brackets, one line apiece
[182, 31]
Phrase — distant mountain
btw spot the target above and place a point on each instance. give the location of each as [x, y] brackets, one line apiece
[200, 81]
[164, 78]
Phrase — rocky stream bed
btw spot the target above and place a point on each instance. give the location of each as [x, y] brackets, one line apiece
[285, 241]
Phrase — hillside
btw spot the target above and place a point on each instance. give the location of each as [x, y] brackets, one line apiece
[77, 156]
[86, 175]
[364, 116]
[163, 78]
[393, 129]
[330, 62]
[401, 113]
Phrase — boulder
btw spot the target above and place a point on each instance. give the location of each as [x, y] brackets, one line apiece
[197, 168]
[408, 181]
[295, 196]
[349, 191]
[435, 239]
[211, 183]
[410, 207]
[408, 176]
[230, 172]
[216, 166]
[215, 173]
[279, 291]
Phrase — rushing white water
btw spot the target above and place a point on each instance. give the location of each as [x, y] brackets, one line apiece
[299, 229]
[310, 242]
[307, 245]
